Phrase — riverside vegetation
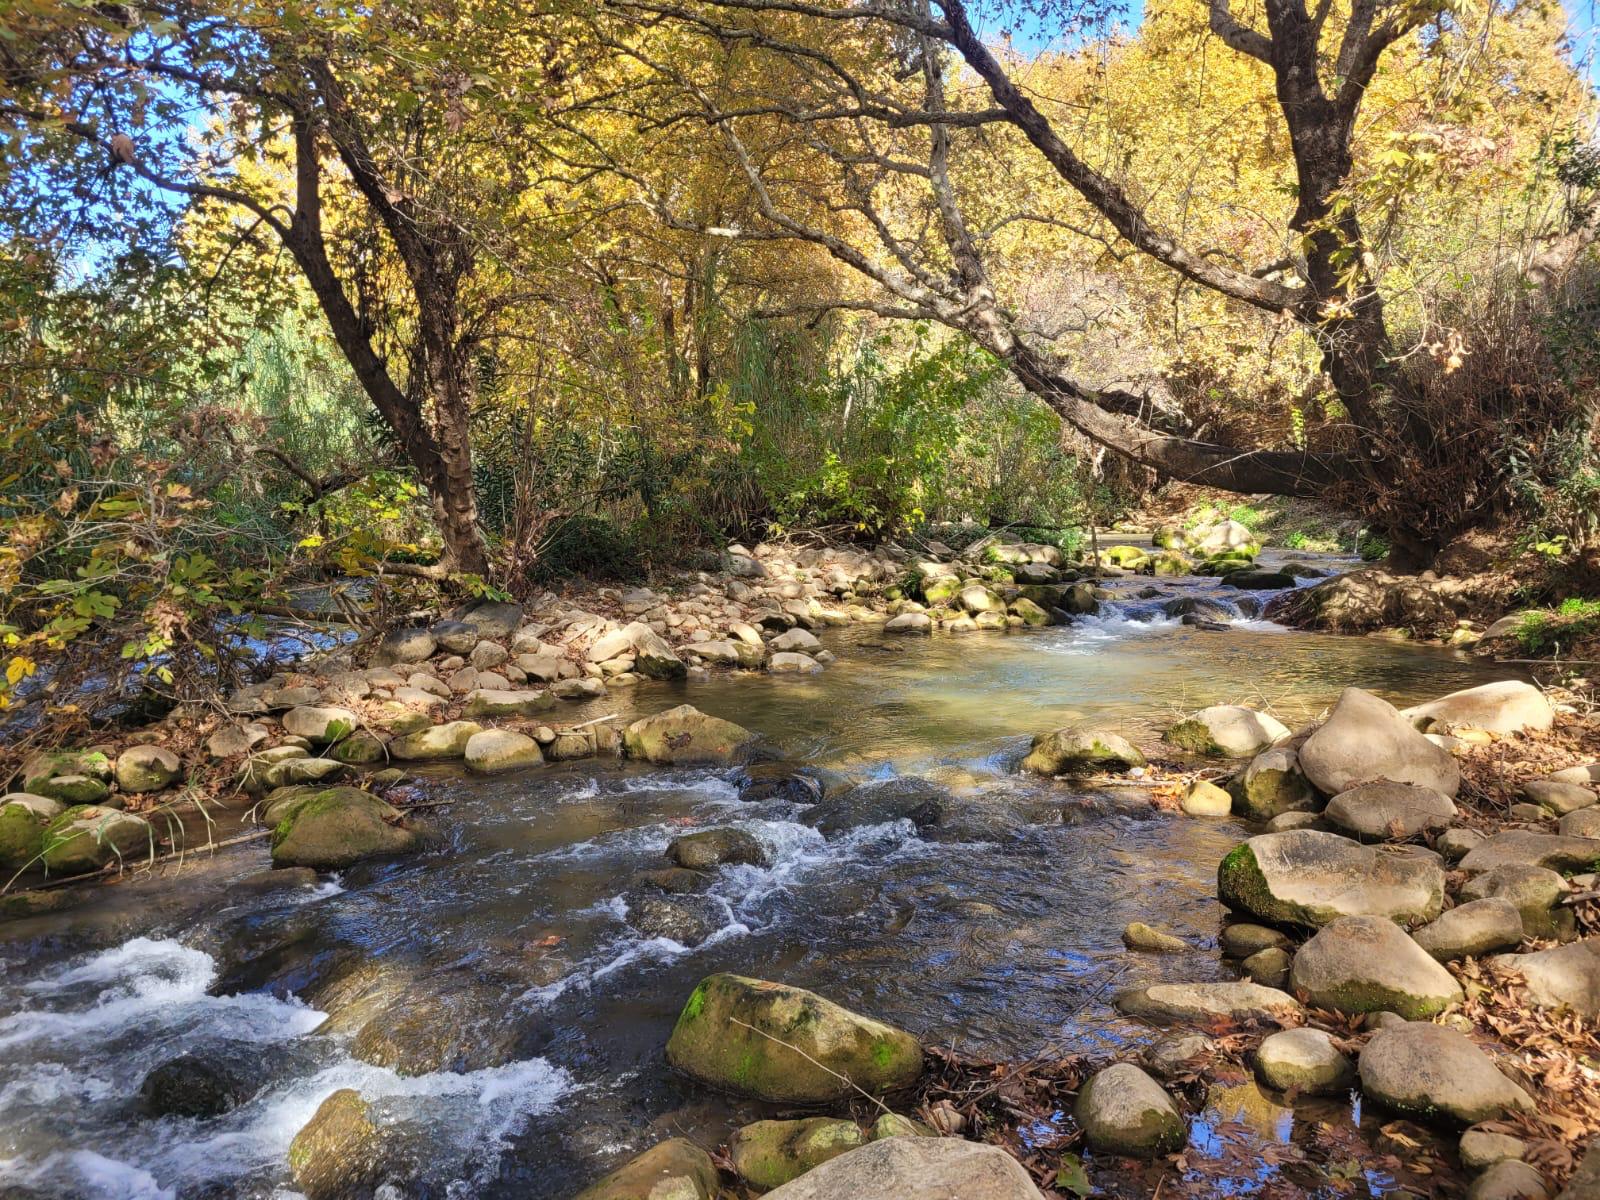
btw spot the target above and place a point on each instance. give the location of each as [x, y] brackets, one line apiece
[1409, 918]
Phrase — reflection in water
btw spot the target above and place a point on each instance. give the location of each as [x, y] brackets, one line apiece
[509, 943]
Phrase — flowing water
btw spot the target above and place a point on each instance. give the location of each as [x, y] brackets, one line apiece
[527, 1016]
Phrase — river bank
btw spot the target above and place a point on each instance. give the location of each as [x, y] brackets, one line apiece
[501, 994]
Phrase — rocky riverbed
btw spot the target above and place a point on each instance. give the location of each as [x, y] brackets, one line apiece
[545, 892]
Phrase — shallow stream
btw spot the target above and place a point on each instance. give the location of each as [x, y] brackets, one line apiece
[535, 1013]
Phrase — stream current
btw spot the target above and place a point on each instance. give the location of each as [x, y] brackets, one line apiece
[523, 1016]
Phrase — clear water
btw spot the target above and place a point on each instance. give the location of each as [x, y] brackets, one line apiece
[509, 939]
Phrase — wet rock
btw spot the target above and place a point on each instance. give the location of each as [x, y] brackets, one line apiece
[1473, 929]
[676, 1169]
[333, 828]
[685, 736]
[1559, 798]
[192, 1085]
[909, 622]
[264, 883]
[714, 847]
[404, 646]
[687, 921]
[1509, 1180]
[1480, 1149]
[1174, 1056]
[1431, 1071]
[1534, 891]
[1368, 964]
[1509, 706]
[1309, 878]
[1081, 749]
[1304, 1060]
[675, 881]
[1273, 784]
[726, 1034]
[1242, 939]
[1365, 738]
[1202, 799]
[792, 664]
[1123, 1111]
[913, 1169]
[778, 781]
[1389, 812]
[922, 803]
[1564, 977]
[491, 751]
[336, 1155]
[1269, 967]
[1259, 580]
[768, 1154]
[1226, 729]
[87, 837]
[495, 702]
[1139, 936]
[320, 726]
[437, 742]
[1205, 1002]
[147, 769]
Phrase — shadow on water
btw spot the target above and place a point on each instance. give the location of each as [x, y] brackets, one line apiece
[527, 1016]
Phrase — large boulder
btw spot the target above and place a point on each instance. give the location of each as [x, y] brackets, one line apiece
[1564, 977]
[1389, 812]
[1365, 738]
[491, 751]
[21, 832]
[87, 837]
[915, 1168]
[330, 829]
[768, 1154]
[1303, 1060]
[1431, 1071]
[675, 1169]
[685, 736]
[1123, 1111]
[1509, 706]
[147, 769]
[337, 1153]
[785, 1044]
[437, 742]
[1079, 748]
[493, 619]
[1307, 877]
[1528, 848]
[1368, 964]
[1227, 729]
[1473, 929]
[1208, 1002]
[1271, 785]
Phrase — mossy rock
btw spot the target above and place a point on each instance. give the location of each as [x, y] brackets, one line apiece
[1193, 736]
[45, 765]
[685, 736]
[435, 743]
[87, 837]
[1124, 1111]
[336, 1155]
[768, 1154]
[335, 827]
[21, 836]
[941, 590]
[360, 749]
[147, 769]
[1032, 614]
[787, 1045]
[1271, 785]
[1309, 878]
[1171, 564]
[1081, 749]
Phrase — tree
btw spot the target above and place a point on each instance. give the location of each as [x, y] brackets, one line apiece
[879, 131]
[399, 174]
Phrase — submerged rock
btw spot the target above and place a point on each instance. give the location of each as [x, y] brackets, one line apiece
[904, 1168]
[1365, 738]
[1304, 1060]
[1431, 1071]
[336, 1155]
[1304, 877]
[779, 781]
[922, 803]
[687, 920]
[675, 1169]
[685, 736]
[1368, 964]
[1081, 749]
[769, 1154]
[336, 827]
[1123, 1111]
[785, 1044]
[192, 1085]
[1139, 936]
